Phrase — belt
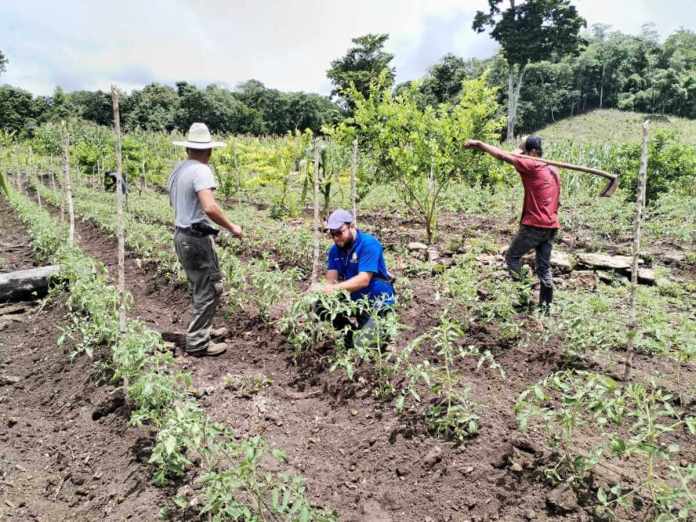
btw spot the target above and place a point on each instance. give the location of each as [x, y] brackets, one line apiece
[193, 232]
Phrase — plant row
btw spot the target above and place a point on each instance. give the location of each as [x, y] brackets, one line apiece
[230, 472]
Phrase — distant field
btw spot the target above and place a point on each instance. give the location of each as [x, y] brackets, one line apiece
[614, 126]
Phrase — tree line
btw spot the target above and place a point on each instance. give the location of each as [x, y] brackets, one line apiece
[547, 68]
[251, 108]
[610, 70]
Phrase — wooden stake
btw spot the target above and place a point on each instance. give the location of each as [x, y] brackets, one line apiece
[640, 204]
[119, 216]
[68, 186]
[317, 231]
[142, 178]
[238, 169]
[37, 185]
[353, 183]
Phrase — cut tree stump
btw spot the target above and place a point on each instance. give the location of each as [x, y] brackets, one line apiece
[22, 283]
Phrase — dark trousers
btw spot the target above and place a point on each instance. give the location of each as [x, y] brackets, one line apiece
[539, 239]
[363, 330]
[197, 255]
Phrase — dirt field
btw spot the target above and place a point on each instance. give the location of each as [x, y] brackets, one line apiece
[357, 456]
[66, 451]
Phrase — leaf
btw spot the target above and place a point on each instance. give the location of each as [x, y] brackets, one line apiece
[3, 185]
[400, 401]
[170, 445]
[279, 455]
[539, 392]
[691, 425]
[602, 496]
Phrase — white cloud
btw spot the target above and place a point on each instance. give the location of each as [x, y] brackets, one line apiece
[287, 44]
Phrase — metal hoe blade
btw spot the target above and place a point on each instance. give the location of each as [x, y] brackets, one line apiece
[610, 188]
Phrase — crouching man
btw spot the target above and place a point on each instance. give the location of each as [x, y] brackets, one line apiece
[356, 264]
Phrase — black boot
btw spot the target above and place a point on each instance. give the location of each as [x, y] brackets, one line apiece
[545, 298]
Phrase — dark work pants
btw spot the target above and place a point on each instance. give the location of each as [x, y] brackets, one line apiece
[539, 239]
[197, 256]
[363, 330]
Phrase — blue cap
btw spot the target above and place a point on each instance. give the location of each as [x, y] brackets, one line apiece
[337, 218]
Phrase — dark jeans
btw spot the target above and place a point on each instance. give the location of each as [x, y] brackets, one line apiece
[539, 239]
[197, 256]
[363, 329]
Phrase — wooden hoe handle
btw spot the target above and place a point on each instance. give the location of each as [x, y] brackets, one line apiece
[569, 166]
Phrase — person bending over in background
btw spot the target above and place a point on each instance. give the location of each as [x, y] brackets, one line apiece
[191, 187]
[356, 264]
[539, 223]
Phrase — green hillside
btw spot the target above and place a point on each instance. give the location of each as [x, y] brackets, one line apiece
[614, 126]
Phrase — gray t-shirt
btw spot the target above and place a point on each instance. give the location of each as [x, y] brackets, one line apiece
[189, 178]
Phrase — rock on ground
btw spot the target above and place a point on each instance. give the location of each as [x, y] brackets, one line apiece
[606, 261]
[562, 261]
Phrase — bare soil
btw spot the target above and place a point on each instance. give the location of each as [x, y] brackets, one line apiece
[57, 462]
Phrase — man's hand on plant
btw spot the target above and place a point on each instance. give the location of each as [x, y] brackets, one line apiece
[329, 288]
[236, 231]
[472, 144]
[326, 288]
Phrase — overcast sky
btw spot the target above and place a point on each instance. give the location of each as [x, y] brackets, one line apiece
[286, 44]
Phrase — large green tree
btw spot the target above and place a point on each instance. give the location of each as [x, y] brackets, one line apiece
[529, 31]
[3, 63]
[443, 83]
[420, 149]
[93, 106]
[19, 112]
[362, 64]
[152, 108]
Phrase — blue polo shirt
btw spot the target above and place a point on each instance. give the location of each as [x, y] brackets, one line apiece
[365, 255]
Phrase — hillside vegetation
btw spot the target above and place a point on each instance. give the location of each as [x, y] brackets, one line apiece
[612, 126]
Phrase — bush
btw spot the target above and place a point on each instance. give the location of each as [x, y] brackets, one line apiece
[671, 165]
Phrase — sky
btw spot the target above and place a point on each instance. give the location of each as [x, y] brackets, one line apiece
[286, 44]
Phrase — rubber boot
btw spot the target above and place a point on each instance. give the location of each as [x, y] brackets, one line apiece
[545, 298]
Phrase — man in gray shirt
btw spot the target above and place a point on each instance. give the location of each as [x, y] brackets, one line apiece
[191, 187]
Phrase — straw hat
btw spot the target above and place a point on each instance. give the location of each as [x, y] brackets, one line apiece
[198, 137]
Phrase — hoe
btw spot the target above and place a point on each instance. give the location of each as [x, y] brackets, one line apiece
[608, 190]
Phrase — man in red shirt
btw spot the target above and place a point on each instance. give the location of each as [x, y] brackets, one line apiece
[539, 224]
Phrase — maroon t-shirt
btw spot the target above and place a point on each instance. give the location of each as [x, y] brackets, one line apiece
[542, 190]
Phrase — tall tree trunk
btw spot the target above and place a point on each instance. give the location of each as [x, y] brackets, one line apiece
[119, 214]
[315, 258]
[353, 182]
[68, 186]
[515, 79]
[601, 85]
[640, 204]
